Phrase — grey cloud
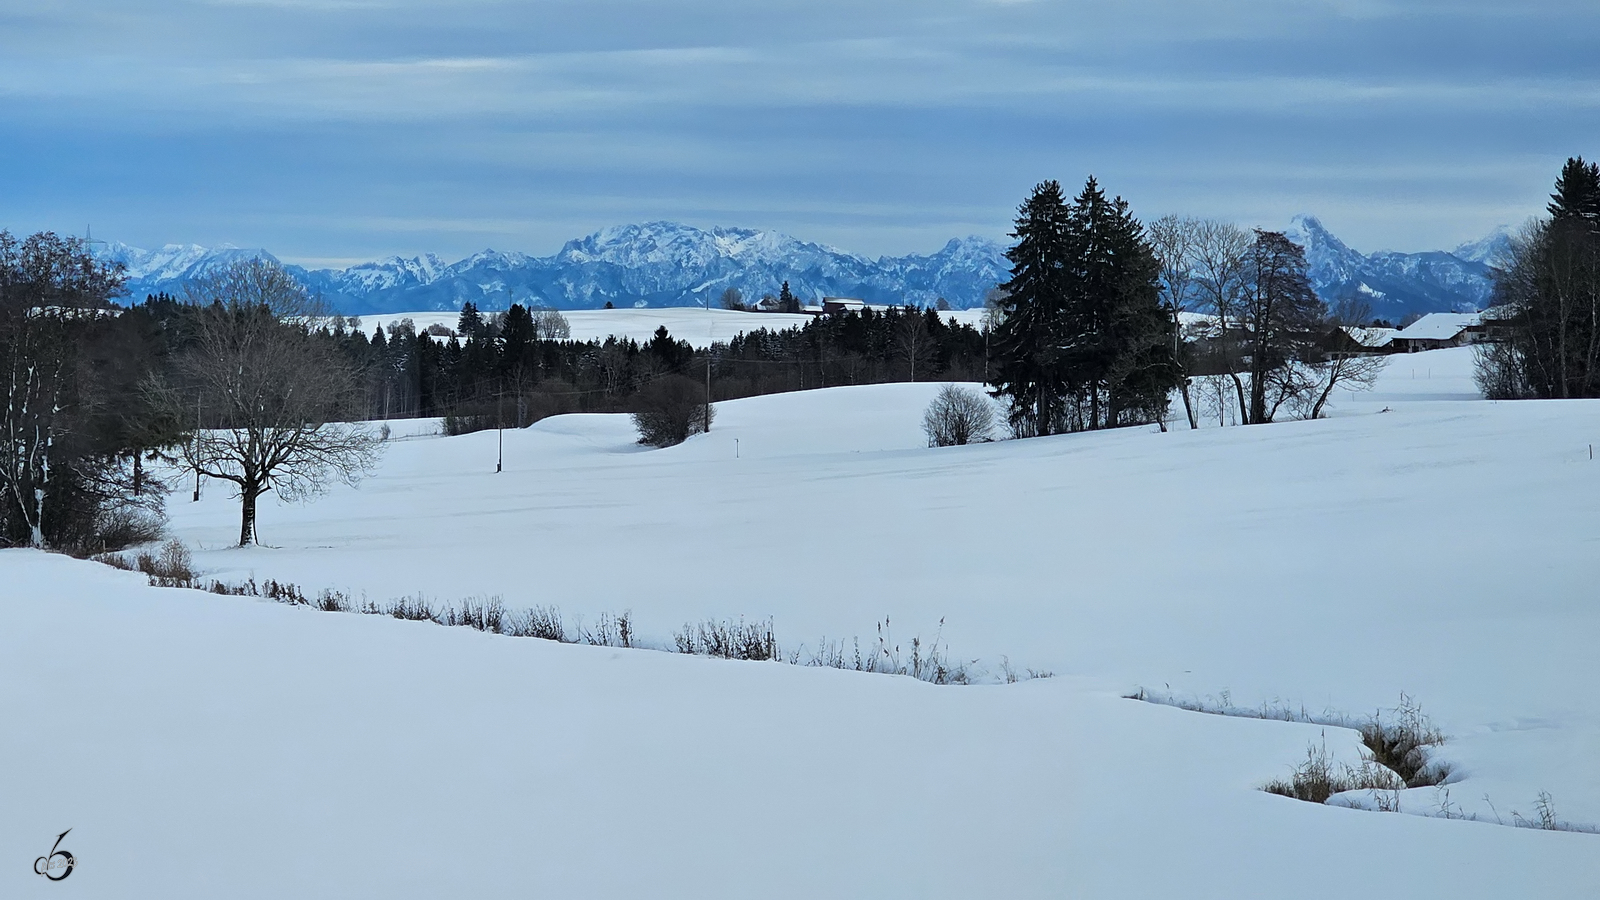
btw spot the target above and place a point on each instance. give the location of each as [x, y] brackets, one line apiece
[343, 128]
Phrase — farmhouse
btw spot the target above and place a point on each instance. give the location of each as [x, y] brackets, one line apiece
[1436, 330]
[1356, 340]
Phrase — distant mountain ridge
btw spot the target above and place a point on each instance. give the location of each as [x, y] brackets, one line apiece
[669, 264]
[1398, 284]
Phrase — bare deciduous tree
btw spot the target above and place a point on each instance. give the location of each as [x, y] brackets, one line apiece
[1173, 238]
[270, 392]
[1220, 250]
[1282, 313]
[732, 298]
[550, 325]
[1343, 370]
[958, 415]
[913, 343]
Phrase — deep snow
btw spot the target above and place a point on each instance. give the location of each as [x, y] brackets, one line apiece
[205, 746]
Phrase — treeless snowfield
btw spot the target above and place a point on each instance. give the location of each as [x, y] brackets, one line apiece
[207, 746]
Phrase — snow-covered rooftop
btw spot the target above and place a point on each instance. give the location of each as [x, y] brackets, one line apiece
[1439, 326]
[1371, 337]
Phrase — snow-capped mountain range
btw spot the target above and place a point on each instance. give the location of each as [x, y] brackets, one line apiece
[1396, 284]
[669, 264]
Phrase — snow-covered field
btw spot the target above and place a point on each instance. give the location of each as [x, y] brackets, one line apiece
[203, 746]
[700, 327]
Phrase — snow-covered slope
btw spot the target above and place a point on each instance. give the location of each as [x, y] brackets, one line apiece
[203, 746]
[660, 264]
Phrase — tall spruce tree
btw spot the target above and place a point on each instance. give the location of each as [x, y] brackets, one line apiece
[787, 302]
[1083, 341]
[1025, 364]
[1577, 194]
[470, 324]
[1117, 354]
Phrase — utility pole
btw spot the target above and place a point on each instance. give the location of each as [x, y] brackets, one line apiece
[708, 390]
[88, 238]
[196, 449]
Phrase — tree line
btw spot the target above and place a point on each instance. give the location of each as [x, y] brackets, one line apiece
[238, 381]
[1090, 330]
[1547, 299]
[516, 367]
[247, 379]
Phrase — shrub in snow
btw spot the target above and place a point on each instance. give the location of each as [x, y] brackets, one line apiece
[611, 631]
[958, 415]
[171, 567]
[1402, 744]
[543, 622]
[669, 409]
[1317, 779]
[467, 423]
[729, 640]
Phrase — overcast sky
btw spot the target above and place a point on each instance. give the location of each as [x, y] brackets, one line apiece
[330, 131]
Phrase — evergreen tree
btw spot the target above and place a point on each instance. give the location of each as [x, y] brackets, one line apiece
[1577, 193]
[478, 366]
[1116, 356]
[470, 324]
[1133, 363]
[517, 337]
[787, 301]
[1083, 342]
[1025, 347]
[670, 352]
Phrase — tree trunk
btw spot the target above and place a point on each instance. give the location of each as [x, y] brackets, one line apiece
[1335, 370]
[1188, 408]
[247, 523]
[1258, 385]
[1238, 388]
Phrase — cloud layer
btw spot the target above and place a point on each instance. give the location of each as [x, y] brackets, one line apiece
[353, 129]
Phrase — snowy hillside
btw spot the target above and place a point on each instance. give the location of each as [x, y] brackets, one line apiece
[1420, 541]
[664, 264]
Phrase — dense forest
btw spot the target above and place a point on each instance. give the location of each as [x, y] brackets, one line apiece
[516, 368]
